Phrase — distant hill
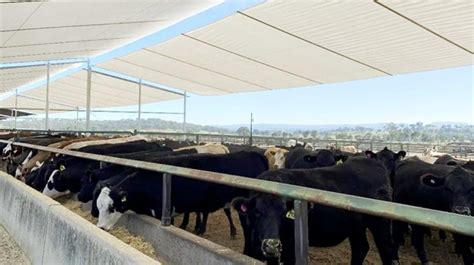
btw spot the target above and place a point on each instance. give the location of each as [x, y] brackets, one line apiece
[324, 127]
[295, 127]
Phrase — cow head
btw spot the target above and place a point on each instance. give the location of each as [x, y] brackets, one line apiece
[276, 158]
[57, 184]
[111, 205]
[389, 158]
[265, 215]
[280, 156]
[322, 158]
[457, 187]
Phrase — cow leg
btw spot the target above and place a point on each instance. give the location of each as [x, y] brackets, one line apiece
[185, 221]
[463, 246]
[202, 227]
[380, 228]
[233, 230]
[418, 241]
[428, 232]
[442, 235]
[359, 246]
[198, 223]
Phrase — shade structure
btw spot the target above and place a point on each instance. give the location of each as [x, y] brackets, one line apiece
[14, 77]
[69, 93]
[7, 113]
[284, 44]
[51, 30]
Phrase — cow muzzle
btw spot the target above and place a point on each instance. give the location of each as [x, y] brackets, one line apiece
[462, 210]
[271, 248]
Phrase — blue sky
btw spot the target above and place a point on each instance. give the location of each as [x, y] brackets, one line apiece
[442, 95]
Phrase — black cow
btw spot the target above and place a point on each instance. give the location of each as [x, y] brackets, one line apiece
[270, 230]
[439, 187]
[141, 191]
[233, 148]
[469, 165]
[302, 158]
[389, 158]
[448, 160]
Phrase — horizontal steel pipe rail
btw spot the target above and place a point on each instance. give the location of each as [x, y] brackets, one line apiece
[416, 215]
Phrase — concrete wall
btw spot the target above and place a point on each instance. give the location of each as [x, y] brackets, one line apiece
[50, 234]
[180, 247]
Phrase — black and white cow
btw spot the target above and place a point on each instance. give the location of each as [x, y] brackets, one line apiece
[269, 234]
[141, 191]
[69, 171]
[92, 177]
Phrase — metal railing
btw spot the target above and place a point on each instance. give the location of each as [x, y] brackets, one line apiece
[443, 220]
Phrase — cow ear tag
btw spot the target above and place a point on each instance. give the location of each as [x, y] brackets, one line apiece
[243, 208]
[290, 214]
[124, 199]
[339, 162]
[62, 168]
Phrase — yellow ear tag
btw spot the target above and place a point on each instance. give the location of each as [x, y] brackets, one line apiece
[339, 162]
[124, 199]
[290, 214]
[62, 168]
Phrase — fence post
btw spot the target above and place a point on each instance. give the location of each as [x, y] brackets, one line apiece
[301, 232]
[166, 201]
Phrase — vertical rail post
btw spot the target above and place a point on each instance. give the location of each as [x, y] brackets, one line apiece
[184, 113]
[77, 118]
[166, 201]
[139, 104]
[88, 96]
[301, 232]
[251, 129]
[16, 106]
[46, 124]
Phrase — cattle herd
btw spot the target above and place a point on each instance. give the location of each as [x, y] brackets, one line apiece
[267, 220]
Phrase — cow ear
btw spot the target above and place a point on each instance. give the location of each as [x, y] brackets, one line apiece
[400, 155]
[122, 196]
[370, 154]
[309, 158]
[340, 158]
[432, 180]
[243, 205]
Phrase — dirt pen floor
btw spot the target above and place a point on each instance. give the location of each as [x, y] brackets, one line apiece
[439, 252]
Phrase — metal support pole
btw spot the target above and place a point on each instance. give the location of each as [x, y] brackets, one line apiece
[184, 111]
[77, 117]
[301, 232]
[88, 97]
[16, 106]
[251, 129]
[46, 125]
[166, 202]
[139, 104]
